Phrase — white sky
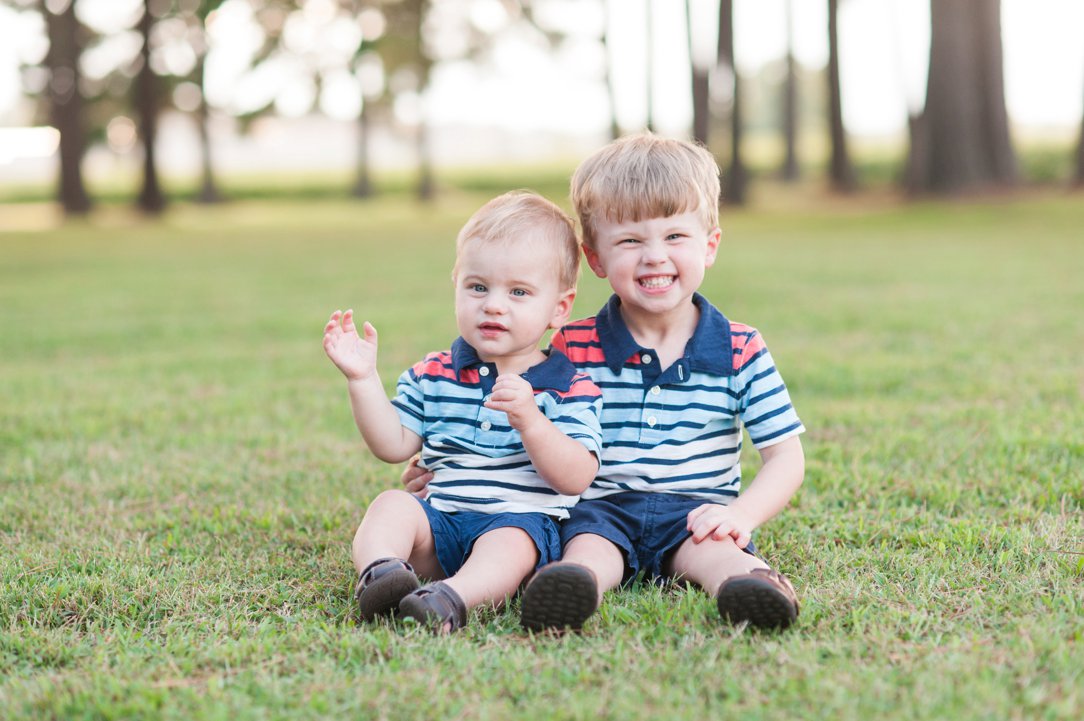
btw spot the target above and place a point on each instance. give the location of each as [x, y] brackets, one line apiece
[884, 48]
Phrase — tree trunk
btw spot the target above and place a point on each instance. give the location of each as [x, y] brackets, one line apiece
[735, 182]
[208, 192]
[965, 143]
[363, 187]
[701, 111]
[1079, 179]
[66, 105]
[841, 172]
[150, 198]
[649, 59]
[791, 171]
[426, 185]
[611, 95]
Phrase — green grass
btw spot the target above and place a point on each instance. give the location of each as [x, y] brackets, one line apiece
[180, 476]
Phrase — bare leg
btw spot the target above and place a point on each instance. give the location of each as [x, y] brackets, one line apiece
[710, 562]
[395, 526]
[497, 564]
[601, 557]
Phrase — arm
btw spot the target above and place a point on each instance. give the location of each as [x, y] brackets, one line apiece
[374, 414]
[564, 463]
[771, 490]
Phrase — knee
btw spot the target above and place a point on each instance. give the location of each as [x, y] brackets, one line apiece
[393, 501]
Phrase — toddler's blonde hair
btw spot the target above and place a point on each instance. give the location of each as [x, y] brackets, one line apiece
[643, 176]
[522, 214]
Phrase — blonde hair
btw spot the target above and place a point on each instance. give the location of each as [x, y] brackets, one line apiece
[644, 176]
[522, 215]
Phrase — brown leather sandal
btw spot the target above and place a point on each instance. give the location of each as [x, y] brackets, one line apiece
[437, 606]
[382, 585]
[560, 595]
[763, 598]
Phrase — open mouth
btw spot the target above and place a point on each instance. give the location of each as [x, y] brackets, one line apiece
[491, 329]
[656, 282]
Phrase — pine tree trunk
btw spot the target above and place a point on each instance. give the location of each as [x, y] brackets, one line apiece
[735, 181]
[701, 111]
[363, 187]
[611, 94]
[1079, 178]
[66, 106]
[649, 59]
[150, 200]
[965, 143]
[208, 192]
[791, 171]
[841, 172]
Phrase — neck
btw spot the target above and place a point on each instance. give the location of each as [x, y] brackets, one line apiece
[658, 331]
[516, 364]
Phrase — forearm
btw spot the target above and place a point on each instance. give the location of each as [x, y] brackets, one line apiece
[379, 422]
[564, 463]
[775, 484]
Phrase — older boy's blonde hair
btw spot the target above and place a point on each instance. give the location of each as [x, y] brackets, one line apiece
[644, 176]
[521, 215]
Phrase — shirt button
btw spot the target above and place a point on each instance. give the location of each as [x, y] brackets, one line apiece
[645, 358]
[651, 421]
[486, 425]
[483, 371]
[655, 390]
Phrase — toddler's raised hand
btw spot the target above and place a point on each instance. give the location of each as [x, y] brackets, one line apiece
[353, 355]
[718, 522]
[515, 396]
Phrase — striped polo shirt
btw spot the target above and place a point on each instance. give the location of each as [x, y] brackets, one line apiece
[678, 429]
[477, 459]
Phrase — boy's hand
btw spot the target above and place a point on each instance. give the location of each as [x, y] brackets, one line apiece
[353, 355]
[515, 396]
[718, 522]
[416, 479]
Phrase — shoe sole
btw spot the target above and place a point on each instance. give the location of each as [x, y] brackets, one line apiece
[561, 597]
[757, 602]
[382, 597]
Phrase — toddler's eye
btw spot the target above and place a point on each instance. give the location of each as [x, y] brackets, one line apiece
[519, 292]
[628, 240]
[478, 288]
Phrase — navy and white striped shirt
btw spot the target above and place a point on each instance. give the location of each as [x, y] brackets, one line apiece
[478, 460]
[678, 430]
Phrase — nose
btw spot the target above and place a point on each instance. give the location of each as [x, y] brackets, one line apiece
[654, 253]
[493, 305]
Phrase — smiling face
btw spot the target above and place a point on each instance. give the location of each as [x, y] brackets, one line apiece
[507, 294]
[654, 265]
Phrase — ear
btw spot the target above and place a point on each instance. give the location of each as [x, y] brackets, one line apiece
[563, 309]
[594, 262]
[715, 235]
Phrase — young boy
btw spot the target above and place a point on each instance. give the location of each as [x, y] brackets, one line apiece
[510, 433]
[679, 381]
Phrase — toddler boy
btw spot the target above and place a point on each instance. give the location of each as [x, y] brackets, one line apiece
[679, 381]
[510, 433]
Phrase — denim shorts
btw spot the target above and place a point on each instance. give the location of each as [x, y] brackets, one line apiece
[647, 527]
[454, 534]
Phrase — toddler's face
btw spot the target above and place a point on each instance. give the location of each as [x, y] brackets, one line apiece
[654, 265]
[506, 297]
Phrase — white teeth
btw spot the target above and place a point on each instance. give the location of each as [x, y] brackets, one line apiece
[657, 281]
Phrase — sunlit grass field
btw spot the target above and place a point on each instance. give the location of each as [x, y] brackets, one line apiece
[180, 475]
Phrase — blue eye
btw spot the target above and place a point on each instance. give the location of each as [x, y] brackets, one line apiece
[478, 288]
[519, 292]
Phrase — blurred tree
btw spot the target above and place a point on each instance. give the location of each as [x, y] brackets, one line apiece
[67, 38]
[791, 171]
[841, 172]
[1079, 179]
[735, 183]
[407, 56]
[649, 63]
[146, 100]
[961, 140]
[611, 95]
[195, 14]
[700, 87]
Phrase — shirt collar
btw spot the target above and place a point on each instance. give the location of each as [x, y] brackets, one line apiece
[555, 373]
[709, 350]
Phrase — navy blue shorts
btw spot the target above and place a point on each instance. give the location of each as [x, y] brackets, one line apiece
[647, 527]
[454, 534]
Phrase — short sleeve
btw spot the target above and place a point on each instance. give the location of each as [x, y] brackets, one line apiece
[764, 403]
[409, 401]
[577, 414]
